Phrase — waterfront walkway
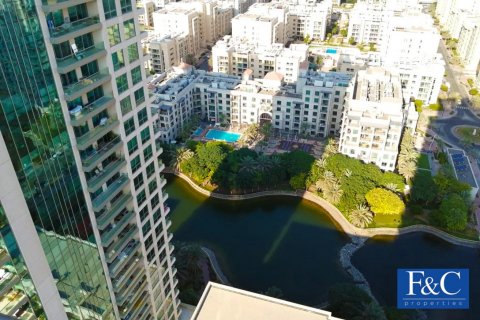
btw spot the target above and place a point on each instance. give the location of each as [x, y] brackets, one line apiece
[216, 267]
[339, 218]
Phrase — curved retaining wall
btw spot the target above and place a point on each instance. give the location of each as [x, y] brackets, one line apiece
[339, 218]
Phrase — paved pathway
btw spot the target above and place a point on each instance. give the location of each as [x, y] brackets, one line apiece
[216, 267]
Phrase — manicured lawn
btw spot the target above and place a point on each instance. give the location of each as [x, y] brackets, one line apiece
[394, 220]
[466, 134]
[423, 161]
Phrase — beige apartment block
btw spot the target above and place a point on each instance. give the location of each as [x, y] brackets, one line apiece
[374, 118]
[234, 57]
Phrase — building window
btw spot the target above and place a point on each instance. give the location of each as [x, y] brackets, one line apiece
[132, 145]
[141, 198]
[150, 169]
[126, 105]
[152, 186]
[132, 52]
[109, 9]
[122, 83]
[139, 96]
[147, 153]
[142, 116]
[113, 35]
[129, 29]
[138, 181]
[118, 60]
[135, 164]
[126, 6]
[129, 126]
[136, 75]
[145, 134]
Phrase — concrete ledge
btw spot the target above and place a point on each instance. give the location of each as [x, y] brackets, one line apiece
[336, 215]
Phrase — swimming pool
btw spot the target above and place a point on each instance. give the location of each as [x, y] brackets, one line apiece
[222, 135]
[197, 132]
[330, 50]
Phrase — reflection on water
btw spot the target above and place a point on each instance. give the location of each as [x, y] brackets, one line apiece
[293, 245]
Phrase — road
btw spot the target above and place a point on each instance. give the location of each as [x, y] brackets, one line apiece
[444, 127]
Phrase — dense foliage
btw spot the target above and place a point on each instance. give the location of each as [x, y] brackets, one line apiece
[384, 201]
[452, 214]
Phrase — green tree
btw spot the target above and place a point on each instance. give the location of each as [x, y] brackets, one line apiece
[343, 32]
[298, 181]
[190, 59]
[307, 39]
[452, 214]
[424, 189]
[347, 301]
[407, 169]
[351, 41]
[361, 217]
[179, 155]
[383, 201]
[446, 185]
[266, 130]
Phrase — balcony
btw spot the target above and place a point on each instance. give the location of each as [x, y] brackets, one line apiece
[118, 245]
[90, 161]
[166, 211]
[114, 211]
[127, 288]
[119, 282]
[108, 236]
[74, 29]
[137, 299]
[164, 196]
[81, 58]
[83, 142]
[121, 261]
[86, 84]
[78, 118]
[54, 5]
[101, 200]
[104, 175]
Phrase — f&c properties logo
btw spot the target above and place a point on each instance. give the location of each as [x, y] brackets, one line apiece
[432, 288]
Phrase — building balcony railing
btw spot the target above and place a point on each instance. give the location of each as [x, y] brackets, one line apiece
[83, 142]
[105, 174]
[113, 189]
[126, 273]
[136, 305]
[109, 214]
[164, 196]
[117, 246]
[108, 236]
[86, 84]
[90, 161]
[81, 58]
[123, 260]
[55, 5]
[81, 114]
[74, 29]
[126, 291]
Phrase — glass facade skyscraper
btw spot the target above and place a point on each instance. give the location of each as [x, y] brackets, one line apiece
[72, 89]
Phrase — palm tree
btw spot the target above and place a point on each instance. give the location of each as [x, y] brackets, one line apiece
[332, 193]
[179, 155]
[276, 161]
[263, 163]
[248, 165]
[330, 148]
[407, 169]
[361, 217]
[347, 173]
[321, 162]
[392, 187]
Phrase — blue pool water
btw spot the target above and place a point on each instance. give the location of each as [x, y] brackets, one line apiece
[197, 132]
[223, 135]
[330, 50]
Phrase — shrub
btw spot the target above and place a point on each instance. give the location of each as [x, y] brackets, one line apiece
[383, 201]
[298, 181]
[444, 87]
[452, 213]
[470, 82]
[435, 107]
[473, 91]
[416, 209]
[418, 105]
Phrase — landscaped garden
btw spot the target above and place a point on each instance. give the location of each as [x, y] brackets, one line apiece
[367, 196]
[468, 134]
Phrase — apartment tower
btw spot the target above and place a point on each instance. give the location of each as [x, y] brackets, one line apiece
[84, 228]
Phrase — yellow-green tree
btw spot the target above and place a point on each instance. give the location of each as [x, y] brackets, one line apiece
[384, 201]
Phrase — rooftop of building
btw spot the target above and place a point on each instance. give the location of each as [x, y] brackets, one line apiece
[244, 46]
[315, 78]
[225, 303]
[376, 84]
[254, 17]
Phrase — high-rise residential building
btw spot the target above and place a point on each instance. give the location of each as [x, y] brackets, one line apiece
[218, 302]
[84, 224]
[469, 44]
[166, 52]
[234, 57]
[448, 10]
[312, 106]
[203, 21]
[280, 22]
[146, 19]
[374, 118]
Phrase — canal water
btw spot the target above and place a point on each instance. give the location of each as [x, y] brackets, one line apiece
[292, 244]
